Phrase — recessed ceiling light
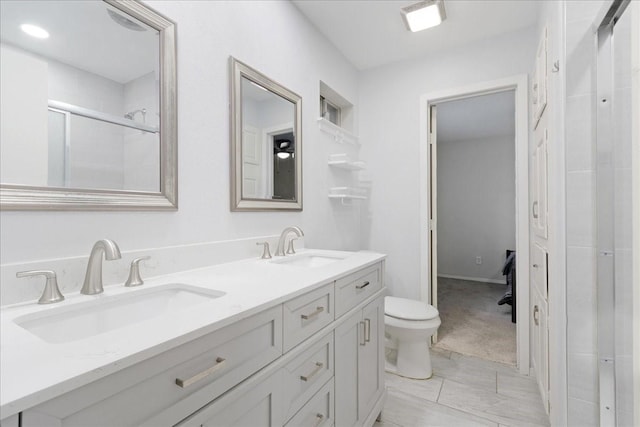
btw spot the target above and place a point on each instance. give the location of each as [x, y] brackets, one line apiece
[423, 15]
[35, 31]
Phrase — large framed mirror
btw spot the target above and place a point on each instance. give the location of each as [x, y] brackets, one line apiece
[88, 106]
[266, 143]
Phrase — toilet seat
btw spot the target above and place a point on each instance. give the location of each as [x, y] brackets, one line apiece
[410, 310]
[412, 324]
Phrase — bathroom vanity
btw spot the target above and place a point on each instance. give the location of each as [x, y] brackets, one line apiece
[295, 341]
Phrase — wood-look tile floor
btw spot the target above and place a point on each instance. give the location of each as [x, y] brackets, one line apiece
[464, 391]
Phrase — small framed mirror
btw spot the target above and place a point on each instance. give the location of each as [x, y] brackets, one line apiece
[266, 143]
[88, 106]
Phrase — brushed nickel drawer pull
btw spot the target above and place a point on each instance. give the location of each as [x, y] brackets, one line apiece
[317, 311]
[364, 339]
[220, 362]
[364, 285]
[536, 316]
[318, 368]
[320, 418]
[367, 330]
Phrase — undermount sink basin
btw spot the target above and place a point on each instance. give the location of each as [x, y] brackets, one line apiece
[107, 313]
[308, 260]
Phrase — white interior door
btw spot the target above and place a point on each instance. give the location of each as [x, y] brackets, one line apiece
[433, 212]
[251, 162]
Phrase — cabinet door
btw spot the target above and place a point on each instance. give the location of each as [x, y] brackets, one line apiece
[540, 199]
[251, 405]
[539, 278]
[359, 367]
[540, 80]
[347, 340]
[370, 357]
[540, 343]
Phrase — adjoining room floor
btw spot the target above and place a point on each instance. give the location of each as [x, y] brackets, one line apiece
[464, 391]
[472, 321]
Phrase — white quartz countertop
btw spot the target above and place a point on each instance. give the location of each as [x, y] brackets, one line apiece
[34, 371]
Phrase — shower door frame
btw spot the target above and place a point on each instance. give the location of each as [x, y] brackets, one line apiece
[604, 26]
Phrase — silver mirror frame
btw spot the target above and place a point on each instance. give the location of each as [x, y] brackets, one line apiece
[239, 70]
[19, 197]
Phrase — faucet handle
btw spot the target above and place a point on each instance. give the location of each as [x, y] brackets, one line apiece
[290, 249]
[134, 278]
[51, 292]
[266, 253]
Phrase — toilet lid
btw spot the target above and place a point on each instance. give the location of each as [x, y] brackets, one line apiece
[408, 309]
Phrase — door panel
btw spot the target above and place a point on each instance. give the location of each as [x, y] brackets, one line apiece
[433, 213]
[251, 162]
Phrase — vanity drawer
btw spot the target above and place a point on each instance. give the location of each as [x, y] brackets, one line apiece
[318, 412]
[355, 288]
[307, 314]
[179, 381]
[305, 374]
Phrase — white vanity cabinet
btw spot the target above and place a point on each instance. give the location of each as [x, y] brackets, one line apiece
[255, 405]
[298, 363]
[166, 388]
[360, 348]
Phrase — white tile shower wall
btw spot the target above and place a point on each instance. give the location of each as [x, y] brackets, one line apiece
[141, 151]
[93, 143]
[276, 39]
[390, 135]
[582, 378]
[70, 271]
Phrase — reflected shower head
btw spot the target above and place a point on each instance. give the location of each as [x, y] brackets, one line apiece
[130, 115]
[125, 22]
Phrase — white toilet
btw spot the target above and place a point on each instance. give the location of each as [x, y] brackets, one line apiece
[409, 325]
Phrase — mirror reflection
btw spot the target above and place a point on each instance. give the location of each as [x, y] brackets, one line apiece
[79, 97]
[266, 145]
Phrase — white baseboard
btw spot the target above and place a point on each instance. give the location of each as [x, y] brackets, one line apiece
[473, 279]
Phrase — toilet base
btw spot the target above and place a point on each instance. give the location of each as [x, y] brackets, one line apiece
[413, 360]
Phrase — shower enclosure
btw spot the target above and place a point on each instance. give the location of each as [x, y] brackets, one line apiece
[614, 220]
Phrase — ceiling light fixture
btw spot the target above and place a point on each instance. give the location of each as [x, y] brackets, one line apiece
[423, 15]
[35, 31]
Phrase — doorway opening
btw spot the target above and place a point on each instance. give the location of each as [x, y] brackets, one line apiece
[474, 167]
[483, 262]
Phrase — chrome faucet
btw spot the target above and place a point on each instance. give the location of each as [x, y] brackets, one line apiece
[283, 238]
[93, 278]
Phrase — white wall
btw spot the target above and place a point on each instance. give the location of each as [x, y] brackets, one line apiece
[389, 123]
[23, 103]
[274, 38]
[476, 206]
